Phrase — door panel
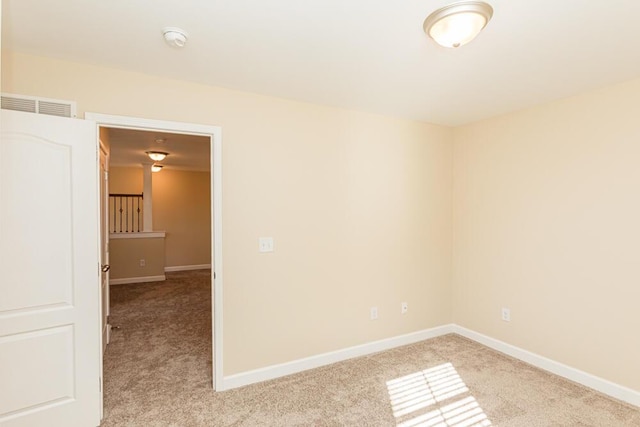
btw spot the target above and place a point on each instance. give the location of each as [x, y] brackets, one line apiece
[47, 382]
[50, 306]
[21, 235]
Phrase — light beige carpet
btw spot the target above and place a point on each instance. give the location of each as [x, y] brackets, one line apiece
[158, 373]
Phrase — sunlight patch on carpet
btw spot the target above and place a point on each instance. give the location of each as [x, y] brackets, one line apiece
[435, 397]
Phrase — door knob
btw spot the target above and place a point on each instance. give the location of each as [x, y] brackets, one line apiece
[105, 268]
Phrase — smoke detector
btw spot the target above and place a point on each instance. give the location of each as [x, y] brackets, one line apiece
[175, 37]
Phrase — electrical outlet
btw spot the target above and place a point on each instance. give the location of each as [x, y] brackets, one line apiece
[404, 307]
[142, 263]
[506, 314]
[374, 313]
[265, 244]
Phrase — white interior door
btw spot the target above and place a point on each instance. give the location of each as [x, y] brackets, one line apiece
[49, 258]
[104, 244]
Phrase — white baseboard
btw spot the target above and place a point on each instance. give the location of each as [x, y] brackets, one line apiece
[283, 369]
[187, 267]
[276, 371]
[603, 386]
[142, 279]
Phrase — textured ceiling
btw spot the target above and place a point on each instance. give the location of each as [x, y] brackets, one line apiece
[369, 55]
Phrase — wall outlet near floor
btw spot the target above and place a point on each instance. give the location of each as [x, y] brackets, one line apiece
[374, 313]
[404, 308]
[506, 314]
[143, 263]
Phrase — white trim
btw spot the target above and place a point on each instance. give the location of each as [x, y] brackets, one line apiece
[609, 388]
[187, 267]
[295, 366]
[139, 235]
[125, 122]
[603, 386]
[141, 279]
[216, 254]
[215, 133]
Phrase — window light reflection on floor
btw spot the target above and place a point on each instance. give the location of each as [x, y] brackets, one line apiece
[413, 394]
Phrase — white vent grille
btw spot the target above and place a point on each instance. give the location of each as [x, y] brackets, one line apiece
[31, 104]
[27, 105]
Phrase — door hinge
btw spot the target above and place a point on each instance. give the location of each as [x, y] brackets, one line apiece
[214, 275]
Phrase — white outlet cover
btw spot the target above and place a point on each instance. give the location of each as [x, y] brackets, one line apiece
[374, 313]
[506, 315]
[265, 244]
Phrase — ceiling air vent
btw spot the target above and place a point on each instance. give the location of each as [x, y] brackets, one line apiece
[32, 104]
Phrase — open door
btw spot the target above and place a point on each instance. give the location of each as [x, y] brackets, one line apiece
[104, 243]
[50, 354]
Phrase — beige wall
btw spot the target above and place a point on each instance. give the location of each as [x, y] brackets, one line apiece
[125, 180]
[547, 223]
[545, 218]
[181, 205]
[125, 256]
[359, 206]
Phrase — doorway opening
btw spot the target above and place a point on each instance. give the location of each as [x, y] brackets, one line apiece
[113, 127]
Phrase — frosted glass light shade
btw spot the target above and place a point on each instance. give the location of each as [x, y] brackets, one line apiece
[156, 168]
[459, 23]
[157, 156]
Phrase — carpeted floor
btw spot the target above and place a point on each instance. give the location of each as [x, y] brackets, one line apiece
[157, 372]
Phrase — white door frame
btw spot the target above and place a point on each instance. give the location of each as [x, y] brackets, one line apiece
[215, 134]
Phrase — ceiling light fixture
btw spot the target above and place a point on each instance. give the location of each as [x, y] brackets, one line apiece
[458, 23]
[156, 168]
[175, 37]
[156, 156]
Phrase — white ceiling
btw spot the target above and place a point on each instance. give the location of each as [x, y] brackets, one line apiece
[369, 55]
[186, 152]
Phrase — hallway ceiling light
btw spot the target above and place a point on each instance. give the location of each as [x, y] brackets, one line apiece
[156, 168]
[458, 23]
[156, 156]
[175, 37]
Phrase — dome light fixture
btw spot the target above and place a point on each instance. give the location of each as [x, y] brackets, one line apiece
[458, 23]
[156, 156]
[174, 36]
[156, 168]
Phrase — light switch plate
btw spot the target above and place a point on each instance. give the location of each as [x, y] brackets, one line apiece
[265, 244]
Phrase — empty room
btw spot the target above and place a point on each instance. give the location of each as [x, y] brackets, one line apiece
[417, 213]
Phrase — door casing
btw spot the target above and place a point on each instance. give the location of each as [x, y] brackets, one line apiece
[215, 135]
